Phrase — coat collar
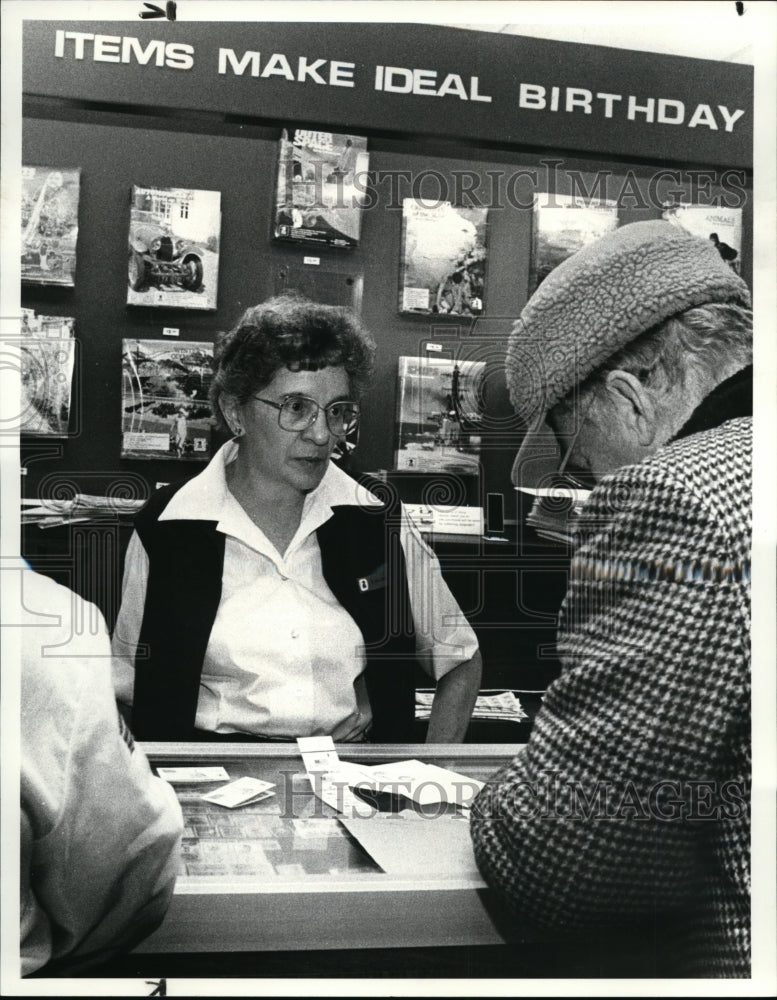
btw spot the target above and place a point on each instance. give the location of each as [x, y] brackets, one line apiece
[732, 398]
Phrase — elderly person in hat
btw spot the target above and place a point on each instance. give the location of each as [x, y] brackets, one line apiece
[626, 816]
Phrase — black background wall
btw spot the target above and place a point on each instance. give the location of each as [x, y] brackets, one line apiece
[117, 149]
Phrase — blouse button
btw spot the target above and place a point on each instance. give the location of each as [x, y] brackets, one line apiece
[284, 577]
[295, 633]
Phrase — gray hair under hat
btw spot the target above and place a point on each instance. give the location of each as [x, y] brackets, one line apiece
[593, 304]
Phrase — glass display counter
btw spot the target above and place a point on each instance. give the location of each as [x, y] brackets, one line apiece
[285, 873]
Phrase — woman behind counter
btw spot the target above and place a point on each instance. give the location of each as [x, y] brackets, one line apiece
[267, 598]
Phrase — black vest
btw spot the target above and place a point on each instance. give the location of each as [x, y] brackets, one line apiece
[364, 566]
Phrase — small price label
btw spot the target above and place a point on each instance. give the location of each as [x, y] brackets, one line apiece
[311, 260]
[170, 331]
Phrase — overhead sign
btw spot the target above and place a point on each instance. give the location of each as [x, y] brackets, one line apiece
[413, 78]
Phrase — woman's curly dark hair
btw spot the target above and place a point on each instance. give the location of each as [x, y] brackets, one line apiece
[288, 331]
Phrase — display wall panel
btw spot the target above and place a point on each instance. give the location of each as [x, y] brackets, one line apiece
[240, 162]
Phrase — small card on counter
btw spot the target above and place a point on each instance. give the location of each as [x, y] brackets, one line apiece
[318, 753]
[242, 792]
[192, 775]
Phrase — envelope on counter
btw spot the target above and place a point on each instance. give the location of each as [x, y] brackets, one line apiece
[242, 792]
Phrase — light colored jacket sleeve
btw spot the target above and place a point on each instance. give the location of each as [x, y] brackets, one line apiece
[99, 833]
[130, 618]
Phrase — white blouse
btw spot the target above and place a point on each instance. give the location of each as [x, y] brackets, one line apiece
[284, 659]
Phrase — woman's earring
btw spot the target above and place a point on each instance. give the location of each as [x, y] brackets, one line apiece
[237, 430]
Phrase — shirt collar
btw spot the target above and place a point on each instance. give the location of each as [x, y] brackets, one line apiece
[207, 498]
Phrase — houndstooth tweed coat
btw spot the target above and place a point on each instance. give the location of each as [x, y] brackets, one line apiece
[629, 806]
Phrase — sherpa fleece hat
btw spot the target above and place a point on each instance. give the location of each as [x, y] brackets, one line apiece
[593, 304]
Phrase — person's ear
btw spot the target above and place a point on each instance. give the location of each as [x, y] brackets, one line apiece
[634, 405]
[231, 413]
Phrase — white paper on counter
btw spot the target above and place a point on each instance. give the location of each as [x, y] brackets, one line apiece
[425, 784]
[405, 844]
[192, 775]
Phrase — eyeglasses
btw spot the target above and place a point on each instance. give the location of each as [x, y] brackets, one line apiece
[579, 479]
[297, 413]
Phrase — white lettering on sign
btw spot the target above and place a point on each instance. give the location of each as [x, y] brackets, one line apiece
[339, 74]
[238, 68]
[664, 110]
[531, 95]
[645, 109]
[579, 97]
[397, 80]
[122, 49]
[453, 84]
[730, 116]
[107, 48]
[401, 80]
[609, 100]
[426, 83]
[703, 116]
[311, 70]
[278, 65]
